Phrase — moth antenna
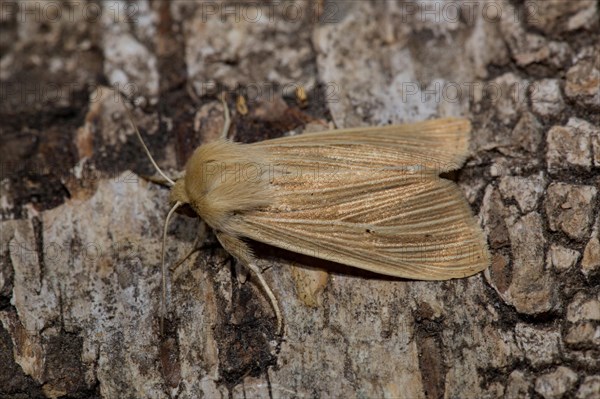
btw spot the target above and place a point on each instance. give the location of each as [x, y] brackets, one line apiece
[163, 304]
[139, 136]
[270, 294]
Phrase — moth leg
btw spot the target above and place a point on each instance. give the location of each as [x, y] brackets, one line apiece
[196, 247]
[162, 181]
[178, 175]
[186, 257]
[156, 180]
[227, 123]
[242, 253]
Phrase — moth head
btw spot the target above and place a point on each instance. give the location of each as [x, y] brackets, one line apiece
[178, 193]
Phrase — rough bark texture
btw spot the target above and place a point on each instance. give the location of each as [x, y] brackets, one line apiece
[81, 231]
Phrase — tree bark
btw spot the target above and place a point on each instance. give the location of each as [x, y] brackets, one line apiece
[81, 229]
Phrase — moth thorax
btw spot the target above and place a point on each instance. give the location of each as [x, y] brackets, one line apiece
[224, 179]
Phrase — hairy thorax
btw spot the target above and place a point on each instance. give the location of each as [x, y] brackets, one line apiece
[224, 180]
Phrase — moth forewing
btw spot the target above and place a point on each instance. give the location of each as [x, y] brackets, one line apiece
[440, 144]
[371, 198]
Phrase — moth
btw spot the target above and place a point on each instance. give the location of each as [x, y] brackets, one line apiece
[368, 197]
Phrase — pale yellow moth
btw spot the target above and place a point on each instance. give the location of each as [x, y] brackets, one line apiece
[366, 197]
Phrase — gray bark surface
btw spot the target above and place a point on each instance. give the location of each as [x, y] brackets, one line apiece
[81, 230]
